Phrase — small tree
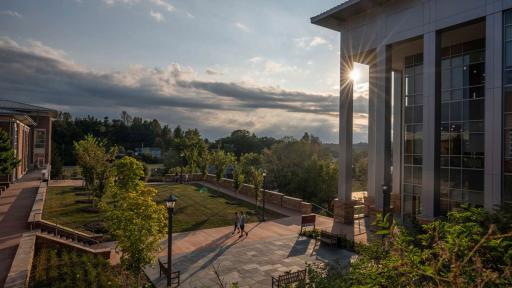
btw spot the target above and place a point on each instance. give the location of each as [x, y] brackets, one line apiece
[8, 159]
[95, 162]
[204, 162]
[256, 179]
[133, 217]
[220, 160]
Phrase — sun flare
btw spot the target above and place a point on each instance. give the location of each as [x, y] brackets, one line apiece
[355, 74]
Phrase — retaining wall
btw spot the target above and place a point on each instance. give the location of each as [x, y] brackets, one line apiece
[273, 197]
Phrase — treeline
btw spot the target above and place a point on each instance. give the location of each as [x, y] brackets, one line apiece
[128, 133]
[304, 168]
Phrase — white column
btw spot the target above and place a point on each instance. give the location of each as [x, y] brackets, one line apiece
[429, 194]
[379, 126]
[345, 131]
[493, 110]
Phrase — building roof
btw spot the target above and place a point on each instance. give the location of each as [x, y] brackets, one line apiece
[22, 117]
[333, 17]
[26, 108]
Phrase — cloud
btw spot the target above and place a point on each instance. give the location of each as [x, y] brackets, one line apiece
[272, 67]
[175, 94]
[11, 13]
[114, 2]
[190, 15]
[242, 27]
[157, 16]
[164, 4]
[211, 71]
[311, 42]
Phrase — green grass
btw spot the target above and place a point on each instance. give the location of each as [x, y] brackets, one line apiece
[209, 209]
[196, 208]
[61, 207]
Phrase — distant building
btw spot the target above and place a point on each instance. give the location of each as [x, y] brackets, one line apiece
[30, 129]
[154, 152]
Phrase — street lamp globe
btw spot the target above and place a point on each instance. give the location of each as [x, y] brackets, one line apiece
[170, 201]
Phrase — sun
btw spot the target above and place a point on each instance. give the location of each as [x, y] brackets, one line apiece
[355, 74]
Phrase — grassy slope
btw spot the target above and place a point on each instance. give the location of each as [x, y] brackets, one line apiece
[194, 209]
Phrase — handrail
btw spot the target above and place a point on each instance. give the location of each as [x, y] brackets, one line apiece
[322, 209]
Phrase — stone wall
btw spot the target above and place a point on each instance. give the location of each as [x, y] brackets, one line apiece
[271, 197]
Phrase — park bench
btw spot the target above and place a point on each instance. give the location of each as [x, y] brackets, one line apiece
[175, 276]
[289, 278]
[329, 238]
[308, 221]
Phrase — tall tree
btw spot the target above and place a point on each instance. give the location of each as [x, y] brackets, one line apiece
[8, 159]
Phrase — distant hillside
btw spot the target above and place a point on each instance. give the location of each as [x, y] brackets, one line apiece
[357, 147]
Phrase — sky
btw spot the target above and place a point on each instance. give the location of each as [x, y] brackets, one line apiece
[213, 65]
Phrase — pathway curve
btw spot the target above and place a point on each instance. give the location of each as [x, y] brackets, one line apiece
[15, 205]
[270, 206]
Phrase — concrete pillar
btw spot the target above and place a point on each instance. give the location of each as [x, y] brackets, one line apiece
[343, 207]
[493, 110]
[429, 194]
[379, 126]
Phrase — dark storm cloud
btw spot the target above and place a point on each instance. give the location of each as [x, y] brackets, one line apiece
[32, 77]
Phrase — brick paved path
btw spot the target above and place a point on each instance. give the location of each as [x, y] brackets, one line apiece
[251, 264]
[15, 206]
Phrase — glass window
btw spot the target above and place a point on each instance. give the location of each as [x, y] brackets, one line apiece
[40, 139]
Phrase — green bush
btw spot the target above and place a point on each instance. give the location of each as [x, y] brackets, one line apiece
[61, 267]
[470, 247]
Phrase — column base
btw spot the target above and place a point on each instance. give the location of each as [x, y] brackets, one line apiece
[343, 212]
[395, 203]
[423, 220]
[370, 209]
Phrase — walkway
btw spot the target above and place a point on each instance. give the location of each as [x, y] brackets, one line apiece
[271, 248]
[275, 208]
[15, 206]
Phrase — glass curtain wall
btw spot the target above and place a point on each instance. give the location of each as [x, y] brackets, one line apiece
[413, 136]
[462, 125]
[507, 107]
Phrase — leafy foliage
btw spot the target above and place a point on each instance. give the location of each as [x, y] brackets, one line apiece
[220, 161]
[133, 217]
[95, 162]
[66, 268]
[8, 159]
[466, 249]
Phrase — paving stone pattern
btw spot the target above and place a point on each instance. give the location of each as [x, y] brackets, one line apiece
[251, 264]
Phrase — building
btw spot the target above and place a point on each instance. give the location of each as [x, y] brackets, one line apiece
[440, 101]
[30, 129]
[153, 152]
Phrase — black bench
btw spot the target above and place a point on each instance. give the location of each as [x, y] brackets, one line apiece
[175, 276]
[329, 238]
[289, 278]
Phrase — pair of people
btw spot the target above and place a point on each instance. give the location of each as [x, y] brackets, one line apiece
[240, 219]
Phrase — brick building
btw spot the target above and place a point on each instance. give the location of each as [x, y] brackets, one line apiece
[30, 129]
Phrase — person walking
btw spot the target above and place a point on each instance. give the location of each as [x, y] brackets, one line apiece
[242, 225]
[237, 223]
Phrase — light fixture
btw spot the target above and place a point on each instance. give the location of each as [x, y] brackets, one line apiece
[170, 201]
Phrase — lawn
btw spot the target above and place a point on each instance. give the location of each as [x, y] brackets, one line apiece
[202, 208]
[63, 205]
[197, 208]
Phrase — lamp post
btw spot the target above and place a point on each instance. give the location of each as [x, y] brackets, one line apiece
[264, 188]
[169, 202]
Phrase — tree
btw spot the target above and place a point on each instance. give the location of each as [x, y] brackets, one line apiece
[8, 159]
[220, 160]
[133, 217]
[204, 162]
[95, 162]
[256, 179]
